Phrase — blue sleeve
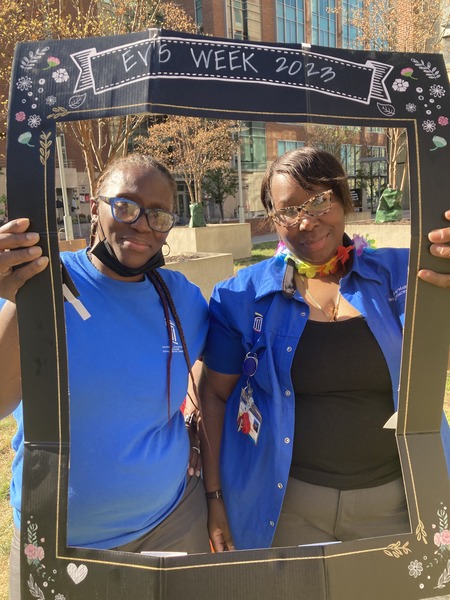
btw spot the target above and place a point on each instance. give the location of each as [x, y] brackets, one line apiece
[224, 351]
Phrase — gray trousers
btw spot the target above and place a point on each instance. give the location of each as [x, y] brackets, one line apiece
[184, 530]
[312, 514]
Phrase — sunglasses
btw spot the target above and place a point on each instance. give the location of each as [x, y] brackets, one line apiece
[127, 211]
[316, 206]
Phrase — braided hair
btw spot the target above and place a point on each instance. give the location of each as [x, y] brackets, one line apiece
[147, 162]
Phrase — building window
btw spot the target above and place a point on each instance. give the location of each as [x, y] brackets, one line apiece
[237, 19]
[286, 145]
[350, 155]
[349, 31]
[199, 12]
[290, 21]
[253, 148]
[323, 22]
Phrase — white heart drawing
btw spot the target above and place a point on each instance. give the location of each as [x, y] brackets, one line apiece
[77, 574]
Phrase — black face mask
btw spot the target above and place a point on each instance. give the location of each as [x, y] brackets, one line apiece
[106, 256]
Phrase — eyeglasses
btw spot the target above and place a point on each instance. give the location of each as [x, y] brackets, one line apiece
[314, 207]
[127, 211]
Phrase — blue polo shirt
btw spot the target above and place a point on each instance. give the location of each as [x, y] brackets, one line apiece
[250, 313]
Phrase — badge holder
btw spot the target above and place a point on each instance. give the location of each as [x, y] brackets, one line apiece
[249, 418]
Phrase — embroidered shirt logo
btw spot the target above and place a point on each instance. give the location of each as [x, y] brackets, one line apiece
[401, 291]
[257, 322]
[176, 347]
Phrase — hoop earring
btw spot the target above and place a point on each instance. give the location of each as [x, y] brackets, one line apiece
[168, 249]
[92, 233]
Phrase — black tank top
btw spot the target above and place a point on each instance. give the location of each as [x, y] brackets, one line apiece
[343, 397]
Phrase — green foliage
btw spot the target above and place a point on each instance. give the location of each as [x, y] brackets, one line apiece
[218, 184]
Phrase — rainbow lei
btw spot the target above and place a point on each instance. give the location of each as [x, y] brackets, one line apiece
[339, 259]
[309, 270]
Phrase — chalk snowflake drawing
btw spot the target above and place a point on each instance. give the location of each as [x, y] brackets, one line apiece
[24, 83]
[437, 91]
[430, 72]
[429, 126]
[400, 85]
[29, 62]
[60, 75]
[34, 121]
[415, 568]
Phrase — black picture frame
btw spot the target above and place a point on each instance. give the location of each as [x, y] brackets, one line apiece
[171, 73]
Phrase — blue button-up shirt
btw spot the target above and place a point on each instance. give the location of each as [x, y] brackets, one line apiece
[249, 313]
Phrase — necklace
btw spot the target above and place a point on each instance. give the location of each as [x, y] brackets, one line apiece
[309, 270]
[334, 313]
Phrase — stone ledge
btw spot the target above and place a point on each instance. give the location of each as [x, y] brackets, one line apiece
[233, 238]
[202, 268]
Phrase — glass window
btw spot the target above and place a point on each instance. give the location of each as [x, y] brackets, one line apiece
[286, 145]
[199, 12]
[253, 148]
[323, 22]
[290, 21]
[349, 31]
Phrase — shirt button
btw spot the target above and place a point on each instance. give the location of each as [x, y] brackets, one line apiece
[289, 349]
[287, 440]
[280, 486]
[271, 523]
[303, 314]
[287, 393]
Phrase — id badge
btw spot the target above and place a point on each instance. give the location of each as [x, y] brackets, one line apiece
[249, 420]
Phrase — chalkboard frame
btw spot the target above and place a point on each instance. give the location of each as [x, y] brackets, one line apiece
[164, 72]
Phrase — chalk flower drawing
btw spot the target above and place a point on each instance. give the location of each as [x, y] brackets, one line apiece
[443, 120]
[60, 75]
[24, 83]
[415, 568]
[21, 116]
[50, 100]
[437, 91]
[429, 126]
[60, 597]
[400, 85]
[34, 121]
[411, 107]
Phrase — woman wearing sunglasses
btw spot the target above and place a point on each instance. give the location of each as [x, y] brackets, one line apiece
[134, 473]
[299, 381]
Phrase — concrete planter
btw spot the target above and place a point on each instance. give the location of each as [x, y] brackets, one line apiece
[202, 268]
[386, 235]
[233, 238]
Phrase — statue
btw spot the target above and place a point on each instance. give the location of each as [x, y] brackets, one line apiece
[197, 219]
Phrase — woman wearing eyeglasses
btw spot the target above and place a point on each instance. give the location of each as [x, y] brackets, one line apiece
[129, 365]
[301, 372]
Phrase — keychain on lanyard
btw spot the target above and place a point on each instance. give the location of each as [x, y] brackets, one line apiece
[249, 417]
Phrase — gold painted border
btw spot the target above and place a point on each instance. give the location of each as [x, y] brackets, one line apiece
[310, 118]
